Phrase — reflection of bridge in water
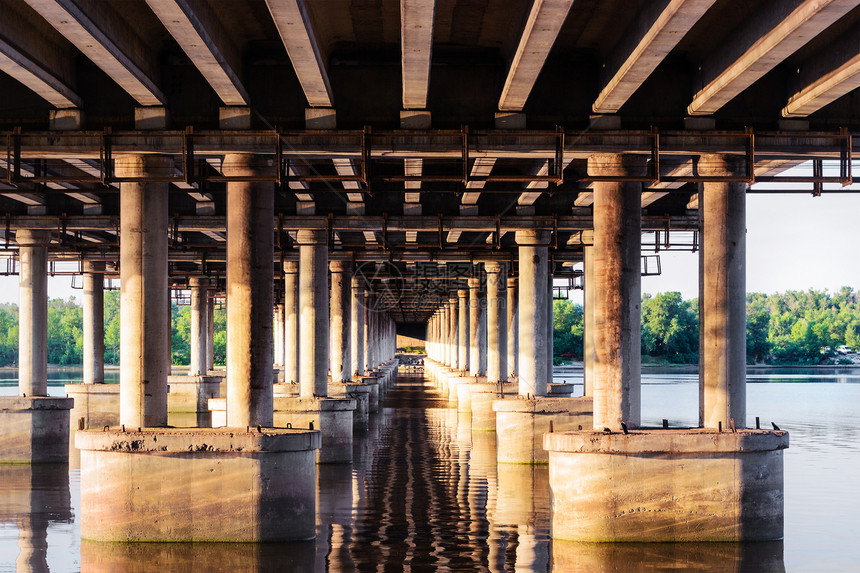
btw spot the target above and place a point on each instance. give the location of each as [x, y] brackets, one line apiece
[305, 160]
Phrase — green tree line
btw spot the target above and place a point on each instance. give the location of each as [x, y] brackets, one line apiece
[793, 327]
[66, 330]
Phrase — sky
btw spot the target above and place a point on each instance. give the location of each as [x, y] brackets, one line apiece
[794, 242]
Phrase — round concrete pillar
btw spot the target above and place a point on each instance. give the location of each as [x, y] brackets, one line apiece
[199, 326]
[723, 362]
[291, 322]
[356, 325]
[454, 332]
[33, 312]
[279, 334]
[550, 302]
[94, 325]
[367, 337]
[313, 313]
[617, 296]
[210, 337]
[463, 330]
[341, 294]
[532, 312]
[588, 322]
[513, 321]
[250, 297]
[144, 299]
[497, 323]
[474, 358]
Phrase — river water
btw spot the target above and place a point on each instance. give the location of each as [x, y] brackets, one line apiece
[425, 494]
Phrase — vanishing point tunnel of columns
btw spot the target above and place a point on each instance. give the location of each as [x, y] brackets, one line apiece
[335, 184]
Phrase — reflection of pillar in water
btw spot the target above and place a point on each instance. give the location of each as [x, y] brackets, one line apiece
[523, 502]
[578, 557]
[31, 497]
[334, 516]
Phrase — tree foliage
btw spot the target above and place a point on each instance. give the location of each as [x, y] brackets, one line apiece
[793, 327]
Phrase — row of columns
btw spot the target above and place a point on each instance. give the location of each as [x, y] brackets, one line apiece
[612, 355]
[356, 334]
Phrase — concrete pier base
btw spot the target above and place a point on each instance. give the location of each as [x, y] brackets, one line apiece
[667, 485]
[192, 393]
[521, 424]
[198, 485]
[34, 429]
[483, 415]
[465, 391]
[376, 395]
[332, 417]
[358, 391]
[97, 404]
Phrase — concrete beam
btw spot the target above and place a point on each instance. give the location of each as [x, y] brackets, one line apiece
[108, 41]
[294, 25]
[834, 73]
[657, 30]
[416, 48]
[765, 40]
[199, 33]
[542, 28]
[32, 59]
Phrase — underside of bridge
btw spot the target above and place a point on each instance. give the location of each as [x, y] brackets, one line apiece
[350, 165]
[414, 134]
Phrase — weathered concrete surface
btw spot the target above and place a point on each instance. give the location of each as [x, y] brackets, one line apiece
[34, 429]
[291, 322]
[250, 276]
[94, 327]
[617, 284]
[521, 424]
[313, 313]
[483, 415]
[33, 312]
[723, 298]
[331, 416]
[466, 389]
[191, 393]
[144, 324]
[97, 404]
[667, 485]
[533, 368]
[259, 484]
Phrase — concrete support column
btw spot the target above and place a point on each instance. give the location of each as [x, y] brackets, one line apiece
[617, 296]
[356, 325]
[497, 323]
[313, 309]
[723, 362]
[367, 337]
[588, 322]
[250, 296]
[210, 337]
[482, 337]
[463, 330]
[33, 312]
[532, 312]
[513, 328]
[199, 326]
[443, 333]
[94, 324]
[474, 358]
[144, 321]
[291, 322]
[454, 333]
[279, 334]
[550, 302]
[341, 294]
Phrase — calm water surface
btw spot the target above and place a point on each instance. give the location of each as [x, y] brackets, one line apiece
[425, 494]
